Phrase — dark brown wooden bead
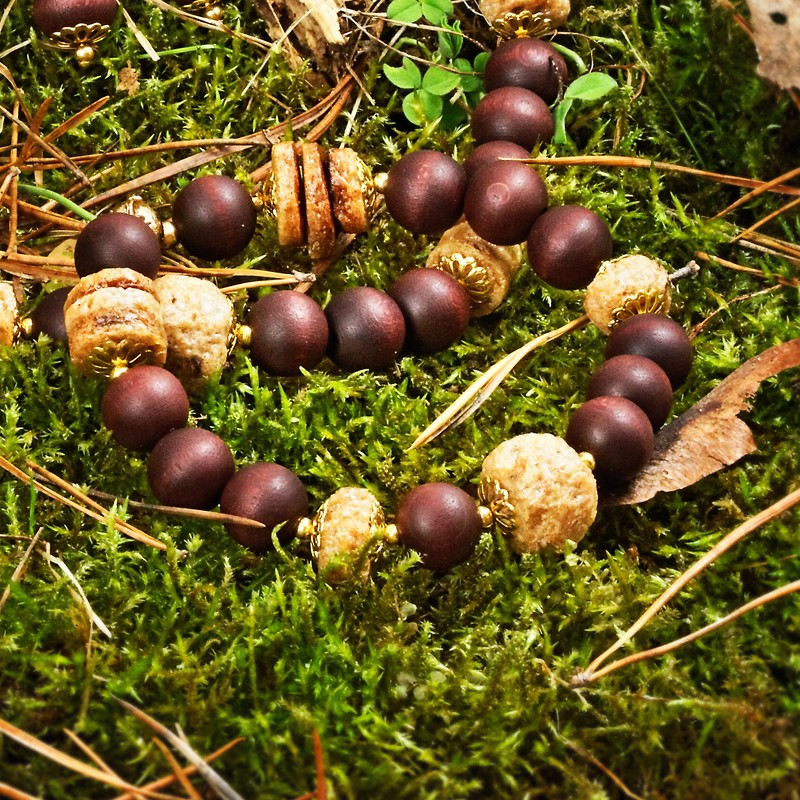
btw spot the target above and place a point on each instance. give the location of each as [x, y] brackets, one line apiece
[117, 240]
[189, 467]
[503, 200]
[515, 115]
[616, 432]
[289, 331]
[48, 316]
[566, 246]
[532, 64]
[214, 217]
[425, 191]
[143, 405]
[366, 327]
[638, 379]
[435, 306]
[656, 337]
[268, 493]
[441, 522]
[488, 152]
[50, 16]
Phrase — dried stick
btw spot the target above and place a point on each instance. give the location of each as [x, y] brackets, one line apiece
[18, 570]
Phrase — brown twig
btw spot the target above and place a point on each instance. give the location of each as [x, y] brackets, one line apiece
[177, 770]
[791, 282]
[769, 186]
[20, 567]
[602, 767]
[319, 760]
[696, 329]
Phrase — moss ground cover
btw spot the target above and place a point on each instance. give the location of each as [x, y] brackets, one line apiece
[420, 685]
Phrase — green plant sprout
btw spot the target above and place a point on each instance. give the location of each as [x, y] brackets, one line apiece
[588, 88]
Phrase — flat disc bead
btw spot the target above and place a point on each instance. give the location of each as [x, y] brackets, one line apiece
[214, 217]
[435, 306]
[656, 337]
[268, 493]
[503, 200]
[551, 490]
[189, 467]
[567, 245]
[616, 432]
[638, 379]
[142, 405]
[530, 63]
[289, 332]
[441, 522]
[116, 240]
[514, 115]
[51, 16]
[425, 191]
[367, 329]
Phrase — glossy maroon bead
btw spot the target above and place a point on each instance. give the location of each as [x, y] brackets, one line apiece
[425, 191]
[189, 467]
[117, 240]
[532, 64]
[289, 331]
[48, 316]
[50, 16]
[214, 217]
[638, 379]
[503, 200]
[366, 328]
[488, 152]
[616, 432]
[435, 306]
[514, 115]
[567, 245]
[656, 337]
[267, 493]
[441, 522]
[143, 405]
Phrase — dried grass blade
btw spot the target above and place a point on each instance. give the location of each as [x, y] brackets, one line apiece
[76, 119]
[792, 282]
[319, 760]
[758, 191]
[176, 769]
[778, 245]
[140, 37]
[15, 794]
[91, 753]
[764, 220]
[481, 389]
[18, 569]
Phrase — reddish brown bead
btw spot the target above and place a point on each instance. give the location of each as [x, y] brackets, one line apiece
[289, 331]
[366, 327]
[616, 432]
[514, 115]
[488, 152]
[117, 240]
[50, 16]
[532, 64]
[441, 522]
[503, 200]
[425, 191]
[656, 337]
[142, 405]
[214, 217]
[435, 306]
[638, 379]
[267, 493]
[189, 467]
[566, 246]
[48, 316]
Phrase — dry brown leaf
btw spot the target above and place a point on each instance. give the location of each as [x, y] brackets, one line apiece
[710, 435]
[776, 29]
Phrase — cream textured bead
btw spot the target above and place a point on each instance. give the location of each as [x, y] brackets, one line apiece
[484, 269]
[629, 285]
[549, 13]
[345, 524]
[112, 318]
[198, 319]
[551, 490]
[8, 314]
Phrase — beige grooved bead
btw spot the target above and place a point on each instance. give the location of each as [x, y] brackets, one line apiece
[552, 491]
[8, 314]
[198, 319]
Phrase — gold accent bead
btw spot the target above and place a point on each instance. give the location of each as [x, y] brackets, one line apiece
[243, 335]
[168, 235]
[111, 360]
[522, 25]
[305, 528]
[84, 55]
[214, 13]
[82, 39]
[136, 207]
[391, 534]
[379, 181]
[492, 495]
[487, 518]
[587, 459]
[473, 276]
[642, 303]
[25, 327]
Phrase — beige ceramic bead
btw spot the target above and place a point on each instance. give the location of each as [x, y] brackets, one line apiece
[484, 269]
[347, 178]
[550, 13]
[625, 286]
[345, 523]
[551, 489]
[198, 319]
[8, 314]
[319, 212]
[111, 316]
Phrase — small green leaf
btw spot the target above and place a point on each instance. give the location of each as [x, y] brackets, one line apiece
[559, 118]
[591, 86]
[404, 10]
[469, 81]
[406, 77]
[436, 11]
[479, 64]
[450, 40]
[452, 116]
[440, 81]
[421, 107]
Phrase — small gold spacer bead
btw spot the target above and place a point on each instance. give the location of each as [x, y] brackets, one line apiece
[26, 327]
[379, 180]
[118, 366]
[487, 518]
[587, 459]
[243, 334]
[84, 55]
[214, 13]
[305, 528]
[168, 236]
[391, 534]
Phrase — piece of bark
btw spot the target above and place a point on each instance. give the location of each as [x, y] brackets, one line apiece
[776, 30]
[710, 435]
